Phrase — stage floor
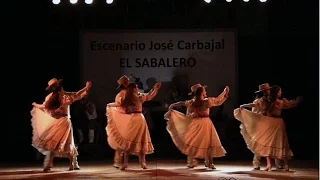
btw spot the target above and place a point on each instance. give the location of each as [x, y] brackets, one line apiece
[160, 170]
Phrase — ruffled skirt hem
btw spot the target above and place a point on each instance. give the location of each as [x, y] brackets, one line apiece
[194, 137]
[265, 136]
[128, 132]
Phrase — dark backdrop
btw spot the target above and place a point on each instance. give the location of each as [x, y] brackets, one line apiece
[278, 42]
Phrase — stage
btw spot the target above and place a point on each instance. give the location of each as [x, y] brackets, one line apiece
[161, 169]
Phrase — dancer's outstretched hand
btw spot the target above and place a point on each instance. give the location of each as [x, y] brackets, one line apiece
[227, 89]
[88, 84]
[170, 107]
[157, 86]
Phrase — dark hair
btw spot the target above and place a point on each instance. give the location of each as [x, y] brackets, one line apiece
[198, 103]
[54, 101]
[122, 87]
[130, 99]
[259, 95]
[272, 98]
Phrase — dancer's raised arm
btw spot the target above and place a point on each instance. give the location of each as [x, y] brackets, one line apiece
[177, 104]
[113, 105]
[217, 101]
[287, 104]
[150, 95]
[70, 97]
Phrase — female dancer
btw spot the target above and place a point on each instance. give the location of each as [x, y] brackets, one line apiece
[52, 128]
[266, 135]
[258, 106]
[194, 134]
[127, 129]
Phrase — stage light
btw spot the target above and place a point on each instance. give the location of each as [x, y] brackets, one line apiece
[263, 0]
[246, 0]
[207, 1]
[109, 1]
[73, 1]
[228, 0]
[56, 1]
[88, 1]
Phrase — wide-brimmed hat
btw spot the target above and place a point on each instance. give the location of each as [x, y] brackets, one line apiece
[263, 87]
[195, 87]
[122, 81]
[53, 82]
